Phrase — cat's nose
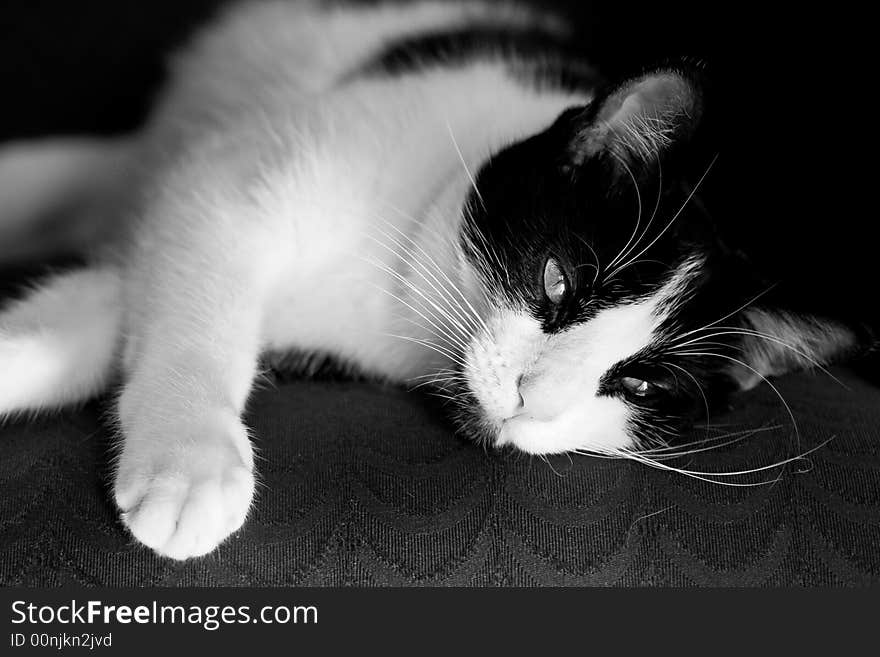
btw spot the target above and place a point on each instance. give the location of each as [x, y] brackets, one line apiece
[538, 396]
[513, 405]
[520, 401]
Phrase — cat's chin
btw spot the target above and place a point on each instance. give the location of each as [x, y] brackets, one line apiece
[558, 436]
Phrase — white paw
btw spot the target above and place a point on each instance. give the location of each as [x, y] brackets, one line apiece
[183, 497]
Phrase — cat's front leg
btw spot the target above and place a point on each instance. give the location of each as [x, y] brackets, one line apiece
[185, 472]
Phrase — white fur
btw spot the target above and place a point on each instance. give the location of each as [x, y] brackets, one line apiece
[276, 208]
[59, 345]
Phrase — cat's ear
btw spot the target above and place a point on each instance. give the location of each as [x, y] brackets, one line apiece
[639, 121]
[777, 342]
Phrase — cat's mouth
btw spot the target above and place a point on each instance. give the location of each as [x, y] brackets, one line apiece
[534, 435]
[515, 430]
[578, 427]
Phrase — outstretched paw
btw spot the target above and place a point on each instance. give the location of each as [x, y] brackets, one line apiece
[183, 497]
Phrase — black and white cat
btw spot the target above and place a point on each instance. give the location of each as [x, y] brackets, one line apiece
[382, 184]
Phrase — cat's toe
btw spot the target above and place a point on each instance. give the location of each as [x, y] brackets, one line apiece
[152, 519]
[183, 519]
[187, 507]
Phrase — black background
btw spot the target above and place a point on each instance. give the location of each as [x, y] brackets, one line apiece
[92, 66]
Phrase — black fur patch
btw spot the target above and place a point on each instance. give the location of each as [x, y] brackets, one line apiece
[544, 58]
[532, 205]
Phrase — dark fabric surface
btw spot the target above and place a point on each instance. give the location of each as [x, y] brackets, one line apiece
[366, 485]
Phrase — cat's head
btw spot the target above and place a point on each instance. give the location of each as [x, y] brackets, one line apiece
[610, 312]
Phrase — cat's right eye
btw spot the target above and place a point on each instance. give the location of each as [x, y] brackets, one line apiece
[642, 389]
[555, 281]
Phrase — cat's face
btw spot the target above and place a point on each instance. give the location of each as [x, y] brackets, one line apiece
[610, 316]
[571, 363]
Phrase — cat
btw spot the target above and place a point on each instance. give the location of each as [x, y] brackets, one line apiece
[436, 193]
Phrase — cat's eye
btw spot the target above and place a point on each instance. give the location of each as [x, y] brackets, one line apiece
[640, 388]
[555, 281]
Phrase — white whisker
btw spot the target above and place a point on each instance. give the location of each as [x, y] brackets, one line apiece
[735, 330]
[728, 315]
[464, 164]
[450, 338]
[671, 221]
[474, 314]
[463, 322]
[430, 345]
[763, 378]
[718, 442]
[623, 251]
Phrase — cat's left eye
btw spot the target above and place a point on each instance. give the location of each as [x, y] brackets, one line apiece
[555, 281]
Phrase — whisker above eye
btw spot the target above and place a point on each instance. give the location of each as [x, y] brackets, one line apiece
[671, 221]
[624, 250]
[597, 266]
[647, 226]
